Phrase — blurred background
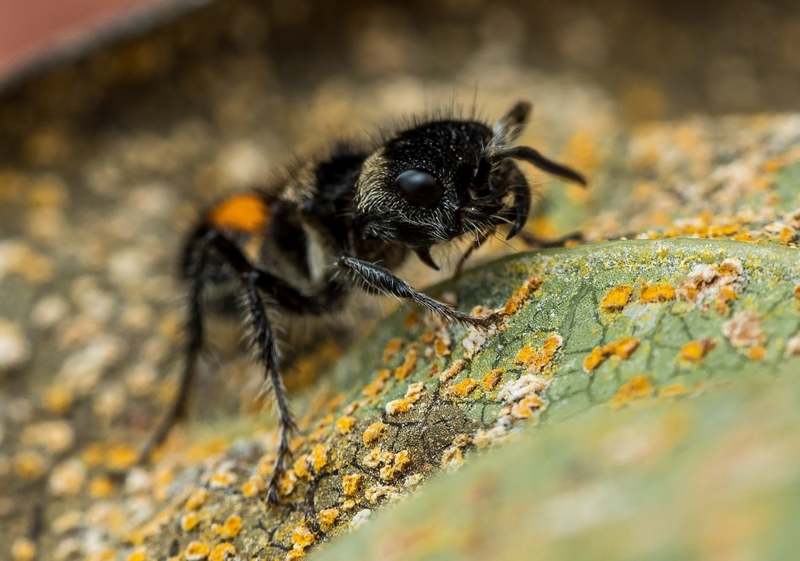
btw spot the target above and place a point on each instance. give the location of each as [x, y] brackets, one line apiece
[120, 119]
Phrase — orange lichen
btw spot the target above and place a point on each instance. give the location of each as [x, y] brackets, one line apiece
[374, 432]
[351, 483]
[344, 424]
[29, 465]
[695, 351]
[189, 521]
[253, 487]
[302, 537]
[756, 353]
[301, 465]
[101, 487]
[392, 348]
[796, 292]
[452, 371]
[463, 388]
[491, 379]
[673, 390]
[411, 320]
[402, 405]
[23, 549]
[636, 388]
[196, 499]
[121, 457]
[327, 518]
[402, 371]
[539, 360]
[196, 551]
[518, 299]
[222, 479]
[230, 528]
[441, 346]
[58, 400]
[319, 457]
[656, 293]
[705, 282]
[222, 552]
[246, 212]
[400, 462]
[378, 384]
[525, 407]
[617, 298]
[137, 555]
[623, 349]
[295, 554]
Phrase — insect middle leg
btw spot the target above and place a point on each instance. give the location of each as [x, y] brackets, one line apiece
[383, 281]
[254, 282]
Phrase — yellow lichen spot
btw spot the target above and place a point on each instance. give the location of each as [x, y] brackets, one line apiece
[29, 465]
[302, 537]
[656, 293]
[674, 390]
[23, 549]
[452, 371]
[413, 395]
[637, 387]
[491, 379]
[327, 518]
[58, 400]
[595, 359]
[230, 528]
[351, 483]
[319, 457]
[392, 348]
[196, 499]
[196, 551]
[441, 347]
[463, 388]
[538, 361]
[695, 351]
[410, 361]
[222, 552]
[402, 460]
[121, 457]
[344, 424]
[617, 298]
[756, 353]
[524, 408]
[796, 292]
[246, 212]
[189, 521]
[374, 432]
[101, 487]
[623, 349]
[376, 386]
[301, 467]
[253, 487]
[411, 320]
[452, 458]
[137, 555]
[518, 299]
[222, 479]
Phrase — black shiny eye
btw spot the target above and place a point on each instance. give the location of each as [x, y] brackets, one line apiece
[419, 188]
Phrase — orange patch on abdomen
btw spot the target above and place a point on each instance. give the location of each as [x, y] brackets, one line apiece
[246, 212]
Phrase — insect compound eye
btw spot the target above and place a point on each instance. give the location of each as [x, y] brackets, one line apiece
[419, 188]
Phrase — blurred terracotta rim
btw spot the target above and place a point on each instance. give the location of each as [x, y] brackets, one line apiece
[36, 35]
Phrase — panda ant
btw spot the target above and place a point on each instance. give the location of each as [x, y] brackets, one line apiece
[343, 223]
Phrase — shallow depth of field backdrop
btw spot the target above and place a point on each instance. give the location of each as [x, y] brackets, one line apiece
[657, 378]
